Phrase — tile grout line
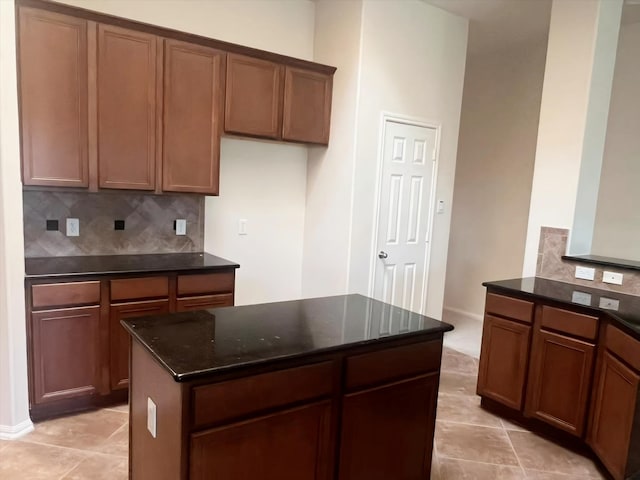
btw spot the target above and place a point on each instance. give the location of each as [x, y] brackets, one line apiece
[71, 469]
[73, 449]
[480, 462]
[469, 424]
[524, 473]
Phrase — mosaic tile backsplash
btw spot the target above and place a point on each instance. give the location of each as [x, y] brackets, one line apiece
[148, 223]
[553, 245]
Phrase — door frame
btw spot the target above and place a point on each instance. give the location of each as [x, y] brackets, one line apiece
[385, 118]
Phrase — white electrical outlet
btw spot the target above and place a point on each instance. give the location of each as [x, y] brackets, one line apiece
[242, 226]
[581, 297]
[612, 277]
[609, 303]
[585, 273]
[152, 417]
[181, 226]
[73, 227]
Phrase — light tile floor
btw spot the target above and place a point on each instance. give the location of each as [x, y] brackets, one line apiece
[470, 443]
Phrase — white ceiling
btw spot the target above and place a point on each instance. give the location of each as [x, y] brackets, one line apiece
[495, 24]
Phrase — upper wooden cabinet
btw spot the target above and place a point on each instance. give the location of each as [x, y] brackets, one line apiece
[253, 104]
[52, 51]
[113, 104]
[193, 96]
[307, 106]
[127, 108]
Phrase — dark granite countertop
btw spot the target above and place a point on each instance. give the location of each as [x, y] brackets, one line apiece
[199, 343]
[623, 309]
[52, 267]
[604, 261]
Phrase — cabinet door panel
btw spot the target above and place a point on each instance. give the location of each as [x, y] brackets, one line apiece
[53, 98]
[614, 408]
[387, 432]
[126, 108]
[66, 353]
[290, 445]
[253, 100]
[193, 90]
[307, 106]
[503, 361]
[560, 381]
[119, 338]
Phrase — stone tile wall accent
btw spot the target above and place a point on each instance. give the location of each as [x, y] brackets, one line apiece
[148, 223]
[553, 244]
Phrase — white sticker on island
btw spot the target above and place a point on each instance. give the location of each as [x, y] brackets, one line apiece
[581, 298]
[151, 417]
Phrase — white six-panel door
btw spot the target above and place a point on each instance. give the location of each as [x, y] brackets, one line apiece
[404, 218]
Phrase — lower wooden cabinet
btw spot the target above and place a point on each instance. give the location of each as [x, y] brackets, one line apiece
[560, 381]
[504, 360]
[287, 445]
[387, 431]
[615, 405]
[119, 338]
[65, 353]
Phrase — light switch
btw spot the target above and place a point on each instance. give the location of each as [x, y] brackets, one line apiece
[181, 226]
[440, 208]
[585, 273]
[242, 226]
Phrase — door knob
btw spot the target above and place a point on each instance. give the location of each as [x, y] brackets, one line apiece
[382, 255]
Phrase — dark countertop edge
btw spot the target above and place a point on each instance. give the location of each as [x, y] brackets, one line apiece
[187, 377]
[605, 261]
[627, 327]
[137, 271]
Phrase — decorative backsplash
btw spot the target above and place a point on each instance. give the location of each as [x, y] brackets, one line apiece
[149, 223]
[553, 245]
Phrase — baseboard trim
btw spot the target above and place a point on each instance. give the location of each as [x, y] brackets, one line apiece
[461, 314]
[14, 432]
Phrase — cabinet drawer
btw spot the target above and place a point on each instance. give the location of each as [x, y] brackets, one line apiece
[577, 324]
[205, 301]
[509, 307]
[235, 398]
[60, 294]
[392, 364]
[624, 346]
[206, 283]
[135, 288]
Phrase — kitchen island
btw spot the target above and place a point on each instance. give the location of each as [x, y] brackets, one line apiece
[334, 387]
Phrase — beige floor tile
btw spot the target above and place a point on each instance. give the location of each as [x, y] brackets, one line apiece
[100, 467]
[120, 408]
[451, 469]
[509, 425]
[453, 361]
[458, 383]
[4, 444]
[535, 475]
[117, 444]
[537, 453]
[30, 461]
[478, 444]
[85, 431]
[465, 409]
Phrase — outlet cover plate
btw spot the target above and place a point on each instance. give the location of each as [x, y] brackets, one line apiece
[181, 226]
[73, 227]
[585, 273]
[612, 277]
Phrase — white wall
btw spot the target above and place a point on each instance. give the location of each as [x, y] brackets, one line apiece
[14, 413]
[617, 229]
[413, 60]
[565, 127]
[263, 183]
[330, 170]
[494, 171]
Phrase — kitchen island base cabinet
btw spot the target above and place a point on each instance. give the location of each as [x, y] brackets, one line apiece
[387, 432]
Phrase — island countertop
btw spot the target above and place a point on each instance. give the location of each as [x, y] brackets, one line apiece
[54, 267]
[194, 344]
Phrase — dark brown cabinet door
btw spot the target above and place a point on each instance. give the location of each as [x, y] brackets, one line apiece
[614, 409]
[66, 353]
[127, 108]
[560, 381]
[387, 432]
[289, 445]
[193, 96]
[53, 75]
[253, 101]
[119, 338]
[307, 106]
[503, 361]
